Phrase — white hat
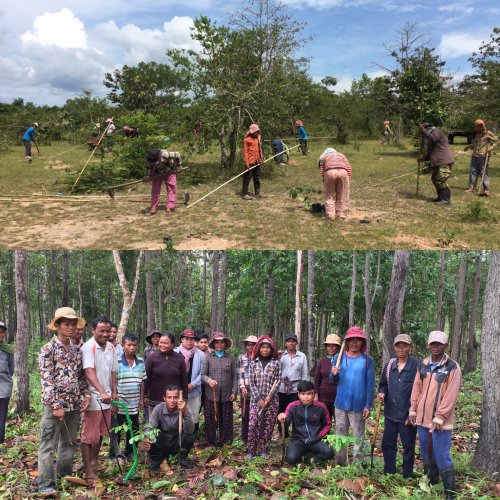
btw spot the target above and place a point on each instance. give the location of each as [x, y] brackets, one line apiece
[437, 336]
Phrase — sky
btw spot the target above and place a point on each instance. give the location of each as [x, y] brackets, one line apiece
[53, 49]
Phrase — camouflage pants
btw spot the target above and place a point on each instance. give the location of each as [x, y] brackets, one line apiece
[440, 175]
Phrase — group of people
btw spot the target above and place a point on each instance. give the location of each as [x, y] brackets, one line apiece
[81, 380]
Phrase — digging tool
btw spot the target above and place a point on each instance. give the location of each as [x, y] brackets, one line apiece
[481, 175]
[339, 359]
[110, 190]
[244, 406]
[374, 439]
[276, 382]
[283, 443]
[180, 428]
[109, 434]
[217, 432]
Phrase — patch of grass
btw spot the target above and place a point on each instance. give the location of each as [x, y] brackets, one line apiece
[477, 211]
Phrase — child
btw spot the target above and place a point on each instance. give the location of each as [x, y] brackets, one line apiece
[265, 375]
[311, 423]
[243, 365]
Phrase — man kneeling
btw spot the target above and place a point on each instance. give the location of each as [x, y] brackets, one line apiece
[165, 417]
[311, 422]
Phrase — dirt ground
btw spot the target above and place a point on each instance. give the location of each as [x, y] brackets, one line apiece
[384, 212]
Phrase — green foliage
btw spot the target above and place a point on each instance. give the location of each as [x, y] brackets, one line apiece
[338, 442]
[448, 237]
[478, 211]
[305, 195]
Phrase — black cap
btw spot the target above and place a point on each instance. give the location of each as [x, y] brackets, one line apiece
[291, 336]
[305, 386]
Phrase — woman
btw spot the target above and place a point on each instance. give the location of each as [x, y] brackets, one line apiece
[337, 173]
[152, 339]
[265, 375]
[253, 157]
[6, 372]
[325, 388]
[218, 373]
[243, 365]
[164, 367]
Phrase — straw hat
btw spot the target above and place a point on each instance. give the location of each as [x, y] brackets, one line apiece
[69, 313]
[250, 338]
[332, 339]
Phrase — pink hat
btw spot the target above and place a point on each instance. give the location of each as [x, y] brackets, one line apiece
[387, 122]
[355, 332]
[299, 123]
[253, 128]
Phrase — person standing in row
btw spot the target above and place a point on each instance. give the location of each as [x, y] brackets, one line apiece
[395, 388]
[243, 366]
[253, 158]
[152, 339]
[6, 382]
[302, 137]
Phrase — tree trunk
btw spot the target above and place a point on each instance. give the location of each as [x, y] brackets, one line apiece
[128, 297]
[215, 291]
[487, 454]
[298, 296]
[471, 362]
[65, 279]
[439, 318]
[204, 288]
[311, 327]
[223, 155]
[22, 333]
[221, 308]
[271, 305]
[456, 338]
[395, 300]
[150, 303]
[353, 288]
[233, 136]
[368, 302]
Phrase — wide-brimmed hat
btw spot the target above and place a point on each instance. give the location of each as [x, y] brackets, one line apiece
[154, 332]
[188, 334]
[402, 337]
[437, 336]
[355, 332]
[69, 313]
[220, 336]
[253, 128]
[250, 338]
[332, 339]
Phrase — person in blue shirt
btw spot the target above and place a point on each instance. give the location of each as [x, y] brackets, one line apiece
[29, 136]
[355, 384]
[394, 390]
[302, 136]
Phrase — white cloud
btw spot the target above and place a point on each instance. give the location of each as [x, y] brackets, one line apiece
[459, 44]
[61, 28]
[457, 8]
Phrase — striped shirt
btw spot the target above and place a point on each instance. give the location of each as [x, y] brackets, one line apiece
[244, 371]
[335, 160]
[129, 381]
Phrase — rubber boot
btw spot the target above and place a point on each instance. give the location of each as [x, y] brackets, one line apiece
[445, 197]
[438, 198]
[432, 472]
[448, 477]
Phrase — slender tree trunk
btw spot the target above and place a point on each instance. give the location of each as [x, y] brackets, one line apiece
[204, 288]
[215, 291]
[271, 305]
[298, 297]
[395, 300]
[440, 319]
[368, 302]
[22, 333]
[65, 278]
[128, 296]
[150, 303]
[221, 309]
[233, 136]
[353, 288]
[11, 290]
[311, 326]
[223, 155]
[456, 338]
[471, 362]
[487, 454]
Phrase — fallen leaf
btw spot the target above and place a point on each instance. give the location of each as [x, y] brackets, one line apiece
[275, 473]
[229, 474]
[175, 488]
[29, 437]
[76, 480]
[316, 472]
[216, 462]
[33, 473]
[357, 486]
[195, 481]
[184, 493]
[165, 466]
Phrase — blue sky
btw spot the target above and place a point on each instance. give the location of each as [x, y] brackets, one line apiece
[51, 50]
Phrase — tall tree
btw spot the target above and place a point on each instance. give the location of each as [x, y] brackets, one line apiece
[395, 300]
[150, 303]
[353, 288]
[214, 316]
[65, 278]
[440, 318]
[221, 308]
[471, 363]
[298, 296]
[487, 454]
[368, 302]
[456, 339]
[22, 333]
[311, 313]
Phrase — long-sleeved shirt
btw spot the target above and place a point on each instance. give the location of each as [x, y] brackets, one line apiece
[6, 372]
[356, 381]
[243, 366]
[252, 151]
[397, 386]
[438, 149]
[162, 370]
[323, 384]
[310, 423]
[483, 143]
[197, 361]
[301, 133]
[223, 370]
[262, 379]
[335, 160]
[167, 422]
[425, 397]
[293, 370]
[63, 380]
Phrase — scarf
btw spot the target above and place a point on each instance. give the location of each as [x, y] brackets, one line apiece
[7, 348]
[188, 354]
[219, 354]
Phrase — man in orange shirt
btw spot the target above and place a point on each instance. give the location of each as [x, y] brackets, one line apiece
[253, 157]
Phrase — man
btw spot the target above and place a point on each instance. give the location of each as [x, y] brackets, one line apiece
[202, 341]
[29, 136]
[441, 160]
[484, 142]
[100, 365]
[311, 423]
[6, 382]
[395, 390]
[432, 410]
[65, 392]
[165, 417]
[76, 339]
[243, 367]
[114, 448]
[253, 158]
[130, 388]
[112, 338]
[293, 370]
[193, 358]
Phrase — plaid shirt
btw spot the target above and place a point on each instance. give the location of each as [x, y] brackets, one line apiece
[244, 371]
[261, 380]
[223, 370]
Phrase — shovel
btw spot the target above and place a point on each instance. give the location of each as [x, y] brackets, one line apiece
[283, 443]
[180, 428]
[374, 439]
[216, 419]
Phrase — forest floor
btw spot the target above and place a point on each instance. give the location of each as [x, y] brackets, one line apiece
[37, 213]
[226, 474]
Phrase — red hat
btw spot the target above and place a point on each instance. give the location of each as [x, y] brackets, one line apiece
[355, 332]
[299, 123]
[189, 334]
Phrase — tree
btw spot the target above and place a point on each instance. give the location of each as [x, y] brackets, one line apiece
[311, 323]
[456, 338]
[22, 333]
[298, 296]
[471, 362]
[487, 454]
[440, 318]
[150, 303]
[214, 316]
[395, 300]
[353, 288]
[221, 306]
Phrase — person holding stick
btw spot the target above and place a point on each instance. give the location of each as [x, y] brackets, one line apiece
[253, 157]
[432, 410]
[311, 423]
[175, 421]
[243, 366]
[355, 375]
[264, 377]
[219, 374]
[302, 137]
[394, 390]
